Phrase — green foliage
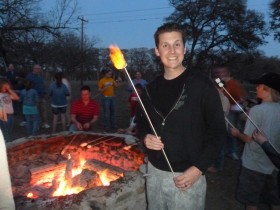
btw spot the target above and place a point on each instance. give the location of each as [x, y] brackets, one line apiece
[275, 18]
[217, 27]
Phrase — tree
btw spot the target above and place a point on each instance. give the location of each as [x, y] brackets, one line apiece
[217, 27]
[275, 18]
[22, 20]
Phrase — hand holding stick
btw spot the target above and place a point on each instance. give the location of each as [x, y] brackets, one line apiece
[220, 84]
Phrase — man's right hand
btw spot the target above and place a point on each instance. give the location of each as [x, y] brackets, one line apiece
[153, 142]
[79, 126]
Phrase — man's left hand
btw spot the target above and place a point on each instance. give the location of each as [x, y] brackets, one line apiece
[86, 126]
[188, 178]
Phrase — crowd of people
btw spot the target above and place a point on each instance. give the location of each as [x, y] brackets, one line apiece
[189, 123]
[30, 98]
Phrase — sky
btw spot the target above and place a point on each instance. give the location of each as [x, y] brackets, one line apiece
[132, 23]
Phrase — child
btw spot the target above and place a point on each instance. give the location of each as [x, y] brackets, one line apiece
[133, 100]
[30, 99]
[269, 149]
[258, 173]
[58, 93]
[7, 95]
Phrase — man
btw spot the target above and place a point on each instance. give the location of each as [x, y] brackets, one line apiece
[186, 112]
[237, 91]
[138, 80]
[84, 111]
[12, 76]
[39, 85]
[107, 86]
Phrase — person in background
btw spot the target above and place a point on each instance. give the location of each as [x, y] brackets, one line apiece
[14, 80]
[269, 149]
[84, 111]
[58, 93]
[133, 100]
[137, 80]
[219, 163]
[186, 112]
[6, 194]
[39, 85]
[12, 75]
[7, 95]
[107, 86]
[131, 130]
[66, 82]
[30, 99]
[238, 92]
[258, 177]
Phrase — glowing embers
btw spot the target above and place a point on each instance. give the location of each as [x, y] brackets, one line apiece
[39, 170]
[69, 177]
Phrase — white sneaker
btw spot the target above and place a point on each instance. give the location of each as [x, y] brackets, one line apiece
[22, 123]
[46, 125]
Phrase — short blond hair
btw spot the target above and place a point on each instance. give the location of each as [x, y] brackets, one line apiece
[275, 95]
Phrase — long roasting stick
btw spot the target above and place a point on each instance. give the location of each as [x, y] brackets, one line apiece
[119, 62]
[229, 122]
[218, 81]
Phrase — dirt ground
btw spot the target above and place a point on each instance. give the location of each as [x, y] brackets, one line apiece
[221, 185]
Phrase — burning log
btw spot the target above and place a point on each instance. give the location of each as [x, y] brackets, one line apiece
[108, 172]
[87, 179]
[46, 172]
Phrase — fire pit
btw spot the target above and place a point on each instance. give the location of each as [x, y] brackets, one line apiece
[77, 171]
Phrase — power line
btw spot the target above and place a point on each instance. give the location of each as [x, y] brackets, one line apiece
[126, 11]
[127, 20]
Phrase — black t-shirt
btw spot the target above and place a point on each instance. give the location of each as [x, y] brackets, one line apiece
[168, 92]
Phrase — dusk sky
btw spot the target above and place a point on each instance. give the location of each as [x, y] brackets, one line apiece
[132, 23]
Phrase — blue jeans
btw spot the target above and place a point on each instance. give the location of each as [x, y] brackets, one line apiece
[162, 194]
[219, 163]
[108, 104]
[73, 127]
[234, 118]
[7, 127]
[32, 124]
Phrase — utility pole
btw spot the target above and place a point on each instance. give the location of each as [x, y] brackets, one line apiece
[82, 49]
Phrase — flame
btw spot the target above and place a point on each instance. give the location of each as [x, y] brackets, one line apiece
[65, 189]
[107, 177]
[31, 195]
[117, 57]
[127, 147]
[61, 185]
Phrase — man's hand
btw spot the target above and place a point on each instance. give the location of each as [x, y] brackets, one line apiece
[86, 126]
[235, 132]
[152, 142]
[259, 137]
[79, 126]
[188, 178]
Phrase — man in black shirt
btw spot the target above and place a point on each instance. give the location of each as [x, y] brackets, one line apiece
[186, 112]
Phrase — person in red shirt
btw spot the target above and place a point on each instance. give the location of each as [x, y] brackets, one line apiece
[84, 111]
[133, 100]
[238, 92]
